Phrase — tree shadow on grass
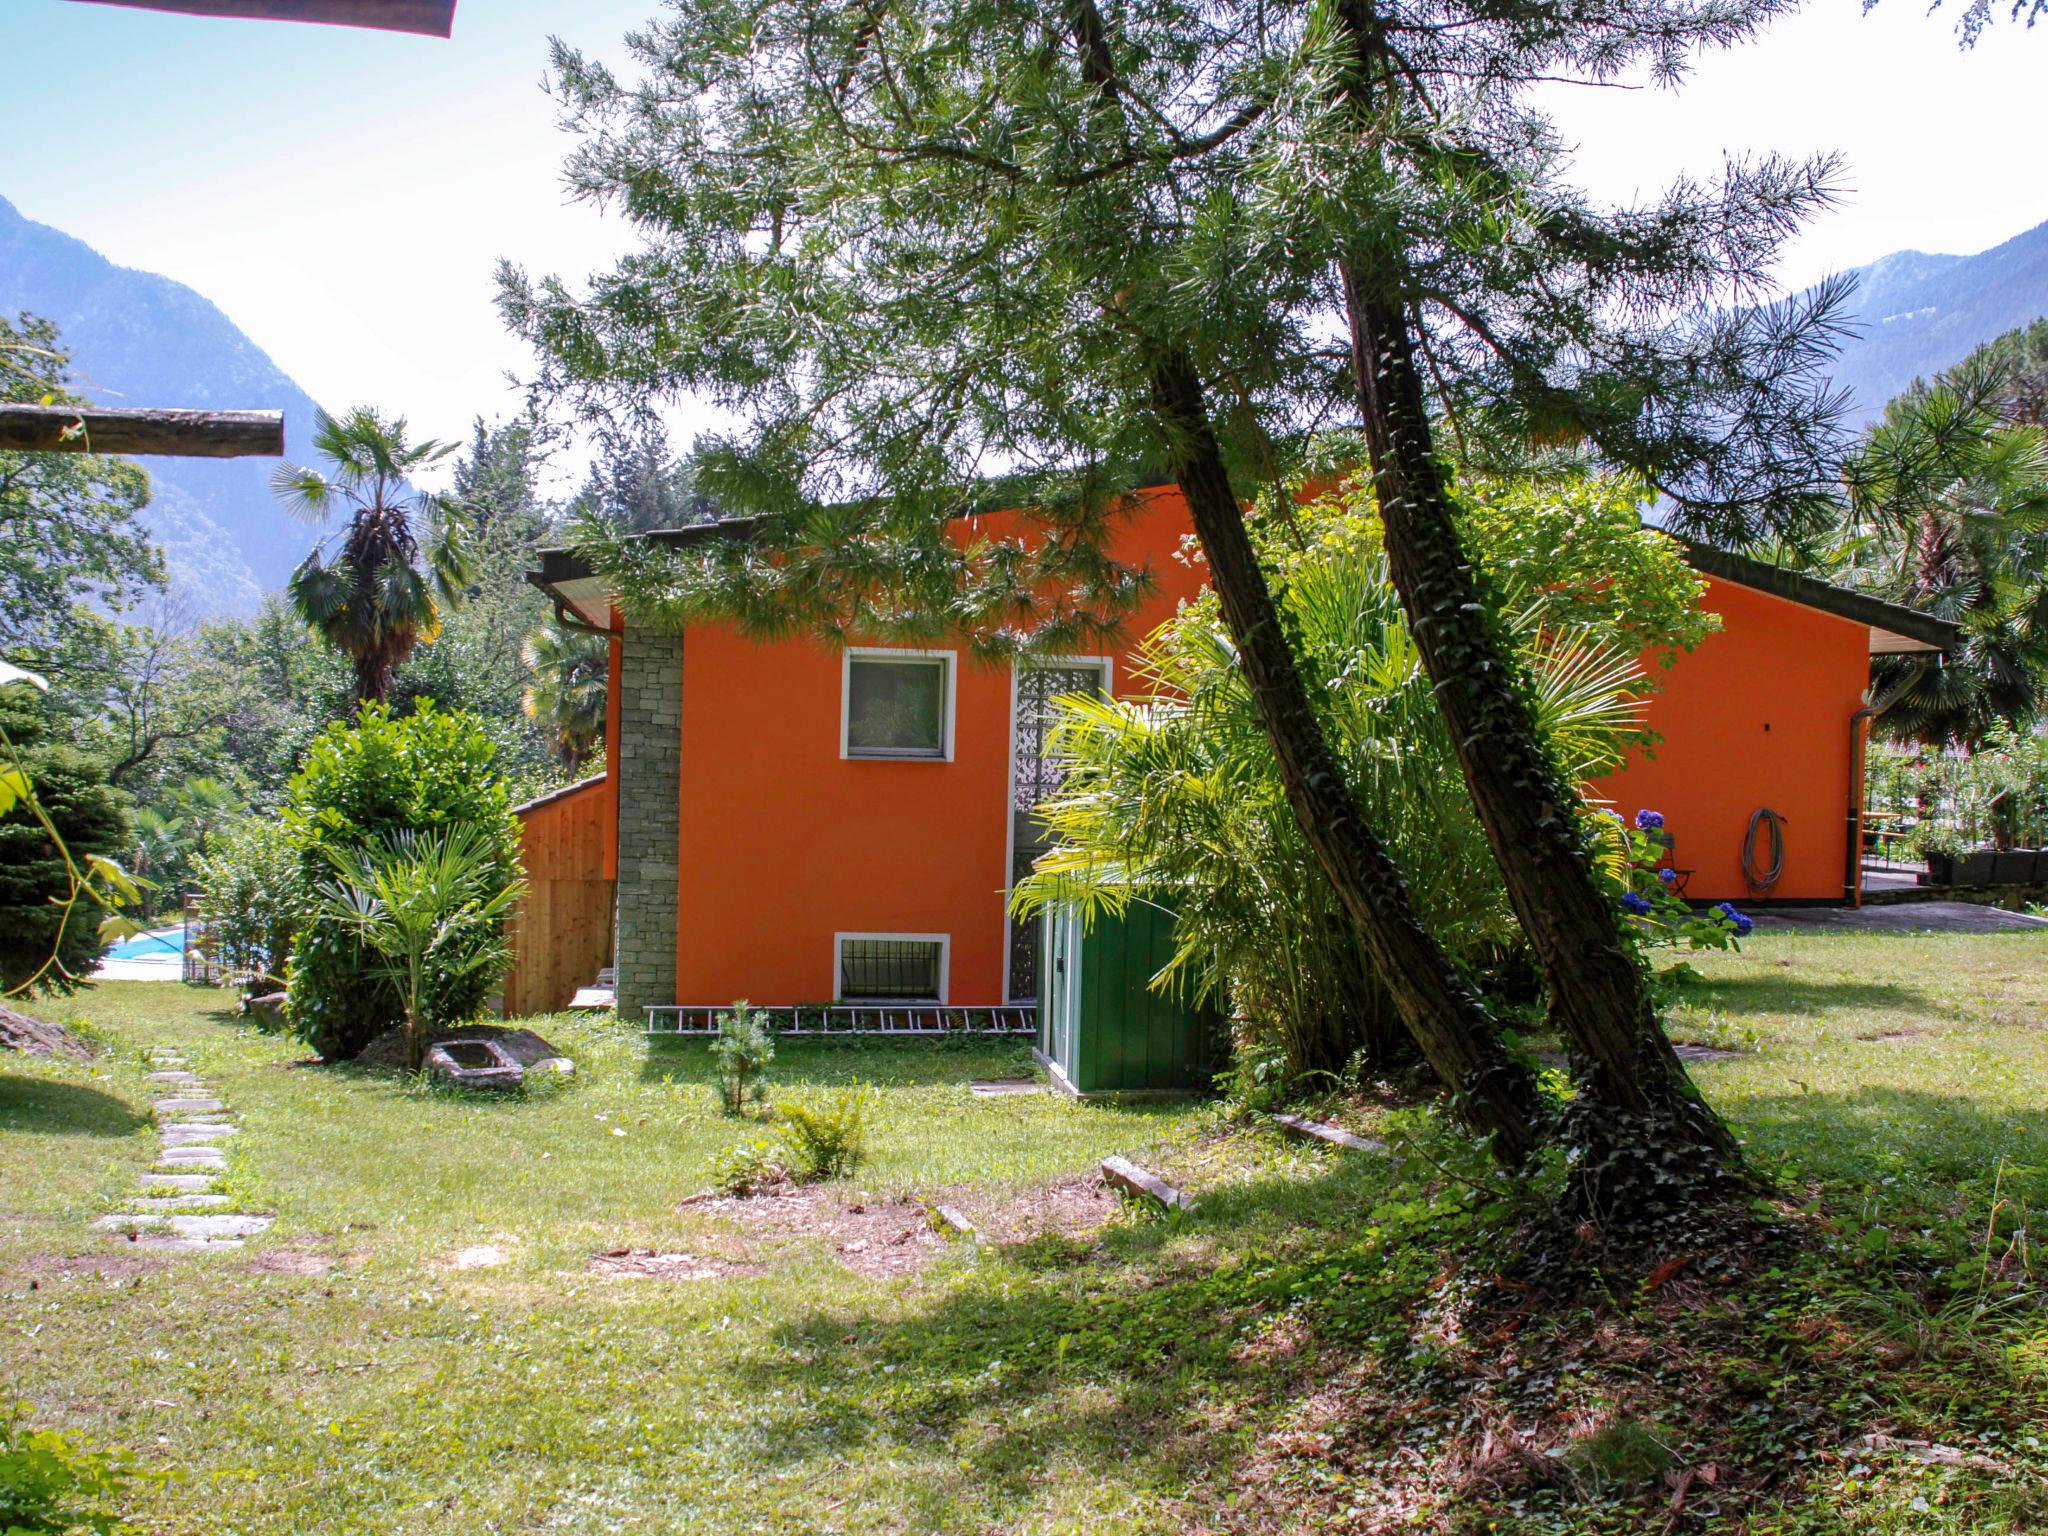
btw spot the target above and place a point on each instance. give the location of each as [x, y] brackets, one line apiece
[1796, 995]
[1097, 1358]
[46, 1107]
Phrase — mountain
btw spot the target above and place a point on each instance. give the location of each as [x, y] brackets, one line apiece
[1918, 314]
[137, 338]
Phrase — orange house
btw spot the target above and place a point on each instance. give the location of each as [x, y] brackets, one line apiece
[793, 823]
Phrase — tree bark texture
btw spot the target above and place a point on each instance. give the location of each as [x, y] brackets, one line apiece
[1492, 1092]
[1599, 990]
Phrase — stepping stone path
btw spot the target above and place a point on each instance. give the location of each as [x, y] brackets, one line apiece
[179, 1204]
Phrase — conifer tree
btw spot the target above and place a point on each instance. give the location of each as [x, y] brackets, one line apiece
[908, 240]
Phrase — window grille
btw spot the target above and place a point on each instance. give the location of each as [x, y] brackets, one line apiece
[1038, 773]
[890, 968]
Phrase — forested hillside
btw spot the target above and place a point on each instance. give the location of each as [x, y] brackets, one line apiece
[137, 338]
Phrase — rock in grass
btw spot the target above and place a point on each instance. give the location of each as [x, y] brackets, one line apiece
[1142, 1181]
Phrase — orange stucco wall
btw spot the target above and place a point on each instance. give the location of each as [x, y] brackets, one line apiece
[784, 844]
[1758, 715]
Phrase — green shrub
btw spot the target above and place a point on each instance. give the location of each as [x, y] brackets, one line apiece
[252, 894]
[92, 818]
[827, 1140]
[748, 1168]
[50, 1485]
[1177, 797]
[743, 1049]
[430, 908]
[362, 782]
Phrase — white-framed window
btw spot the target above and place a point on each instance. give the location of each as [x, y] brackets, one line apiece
[891, 967]
[897, 704]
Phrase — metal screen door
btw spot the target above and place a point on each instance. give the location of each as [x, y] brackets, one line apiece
[1037, 776]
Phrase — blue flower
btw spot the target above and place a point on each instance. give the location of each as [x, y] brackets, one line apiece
[1739, 921]
[1668, 876]
[1631, 902]
[1649, 821]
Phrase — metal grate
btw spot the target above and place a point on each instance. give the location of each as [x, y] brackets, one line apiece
[1038, 772]
[701, 1020]
[897, 969]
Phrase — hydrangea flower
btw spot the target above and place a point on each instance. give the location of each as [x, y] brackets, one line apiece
[1668, 876]
[1631, 902]
[1740, 921]
[1649, 821]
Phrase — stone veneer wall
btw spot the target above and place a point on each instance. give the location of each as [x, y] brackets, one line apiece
[649, 770]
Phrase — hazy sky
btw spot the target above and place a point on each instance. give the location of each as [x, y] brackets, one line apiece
[343, 195]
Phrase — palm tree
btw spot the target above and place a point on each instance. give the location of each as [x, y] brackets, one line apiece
[571, 669]
[1950, 499]
[428, 907]
[400, 560]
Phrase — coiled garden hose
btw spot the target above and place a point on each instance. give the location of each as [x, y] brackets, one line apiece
[1762, 883]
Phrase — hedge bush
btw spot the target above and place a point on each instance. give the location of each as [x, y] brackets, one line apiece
[360, 782]
[92, 818]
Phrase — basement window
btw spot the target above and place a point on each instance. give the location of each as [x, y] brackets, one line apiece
[897, 704]
[892, 967]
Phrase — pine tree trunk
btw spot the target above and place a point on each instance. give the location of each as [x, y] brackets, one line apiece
[1492, 1092]
[1638, 1106]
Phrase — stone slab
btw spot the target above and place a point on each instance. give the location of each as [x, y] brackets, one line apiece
[187, 1106]
[1334, 1135]
[208, 1156]
[177, 1202]
[164, 1243]
[181, 1133]
[179, 1076]
[952, 1219]
[182, 1181]
[1004, 1087]
[1142, 1181]
[208, 1228]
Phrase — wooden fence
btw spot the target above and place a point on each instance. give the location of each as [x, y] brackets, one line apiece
[562, 935]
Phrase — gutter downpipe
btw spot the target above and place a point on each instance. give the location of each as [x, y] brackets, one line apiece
[1859, 745]
[569, 619]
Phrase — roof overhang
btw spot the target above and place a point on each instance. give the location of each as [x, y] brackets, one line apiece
[1894, 630]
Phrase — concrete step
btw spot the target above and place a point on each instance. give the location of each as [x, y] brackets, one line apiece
[189, 1182]
[206, 1228]
[177, 1202]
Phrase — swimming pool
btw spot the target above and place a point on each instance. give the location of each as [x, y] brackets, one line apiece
[158, 944]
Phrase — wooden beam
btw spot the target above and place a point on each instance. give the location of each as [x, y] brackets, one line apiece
[426, 18]
[180, 434]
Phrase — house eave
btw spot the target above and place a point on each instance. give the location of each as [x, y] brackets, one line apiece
[1894, 630]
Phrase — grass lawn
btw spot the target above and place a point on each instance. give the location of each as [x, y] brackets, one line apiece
[428, 1339]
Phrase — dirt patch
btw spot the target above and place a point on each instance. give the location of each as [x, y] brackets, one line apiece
[1071, 1208]
[292, 1261]
[646, 1263]
[869, 1236]
[39, 1037]
[901, 1235]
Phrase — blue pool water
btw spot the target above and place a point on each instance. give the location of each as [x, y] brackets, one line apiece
[164, 942]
